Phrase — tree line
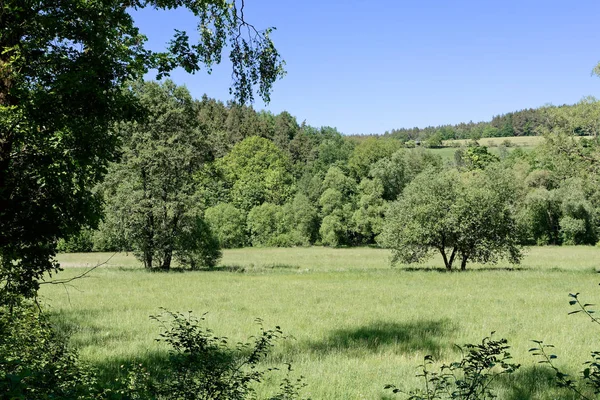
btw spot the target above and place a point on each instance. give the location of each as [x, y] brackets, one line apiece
[527, 122]
[198, 175]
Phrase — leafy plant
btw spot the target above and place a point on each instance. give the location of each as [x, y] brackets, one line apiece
[203, 366]
[470, 378]
[590, 375]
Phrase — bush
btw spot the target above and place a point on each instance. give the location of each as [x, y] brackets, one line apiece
[228, 223]
[196, 245]
[83, 242]
[264, 224]
[35, 362]
[203, 366]
[467, 379]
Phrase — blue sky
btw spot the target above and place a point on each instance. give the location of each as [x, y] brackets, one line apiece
[372, 66]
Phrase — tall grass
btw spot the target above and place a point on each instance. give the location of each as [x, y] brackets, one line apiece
[357, 323]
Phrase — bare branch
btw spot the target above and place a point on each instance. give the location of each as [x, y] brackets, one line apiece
[65, 281]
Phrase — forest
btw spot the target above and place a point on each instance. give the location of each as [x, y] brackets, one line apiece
[199, 175]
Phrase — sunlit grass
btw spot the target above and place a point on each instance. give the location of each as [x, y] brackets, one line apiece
[526, 141]
[357, 323]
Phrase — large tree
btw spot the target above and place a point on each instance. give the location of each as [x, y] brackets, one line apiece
[466, 216]
[150, 193]
[64, 66]
[258, 172]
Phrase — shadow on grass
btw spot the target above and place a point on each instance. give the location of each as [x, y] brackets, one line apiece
[229, 268]
[532, 383]
[408, 337]
[82, 332]
[157, 363]
[472, 270]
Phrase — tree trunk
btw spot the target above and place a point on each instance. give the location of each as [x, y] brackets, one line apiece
[166, 264]
[148, 259]
[463, 263]
[448, 261]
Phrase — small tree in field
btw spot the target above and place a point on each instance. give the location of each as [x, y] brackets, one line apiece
[466, 216]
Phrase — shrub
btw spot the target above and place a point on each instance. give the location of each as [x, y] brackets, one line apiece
[467, 379]
[196, 245]
[264, 224]
[82, 242]
[228, 223]
[203, 366]
[35, 362]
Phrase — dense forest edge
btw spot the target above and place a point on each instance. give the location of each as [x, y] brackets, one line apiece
[199, 175]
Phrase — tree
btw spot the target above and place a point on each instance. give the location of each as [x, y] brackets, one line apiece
[478, 157]
[64, 66]
[150, 193]
[337, 207]
[368, 218]
[257, 172]
[228, 223]
[265, 224]
[396, 171]
[368, 152]
[460, 215]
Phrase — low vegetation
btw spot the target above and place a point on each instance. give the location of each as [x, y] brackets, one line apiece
[355, 323]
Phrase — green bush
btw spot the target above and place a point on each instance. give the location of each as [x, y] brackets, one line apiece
[82, 242]
[228, 224]
[196, 245]
[467, 379]
[35, 362]
[203, 365]
[264, 224]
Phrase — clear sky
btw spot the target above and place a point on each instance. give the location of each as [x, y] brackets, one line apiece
[372, 66]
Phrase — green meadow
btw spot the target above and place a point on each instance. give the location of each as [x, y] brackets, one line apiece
[354, 323]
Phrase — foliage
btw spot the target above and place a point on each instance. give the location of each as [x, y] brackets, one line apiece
[369, 151]
[81, 242]
[265, 224]
[478, 157]
[467, 215]
[257, 172]
[302, 220]
[150, 193]
[397, 170]
[203, 366]
[467, 379]
[64, 73]
[35, 362]
[228, 223]
[368, 219]
[589, 379]
[196, 245]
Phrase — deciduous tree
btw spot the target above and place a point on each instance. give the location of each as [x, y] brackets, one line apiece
[466, 216]
[63, 67]
[150, 193]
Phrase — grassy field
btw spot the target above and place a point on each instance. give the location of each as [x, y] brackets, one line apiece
[519, 141]
[356, 323]
[447, 153]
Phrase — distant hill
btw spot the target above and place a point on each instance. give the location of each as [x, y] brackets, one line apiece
[527, 122]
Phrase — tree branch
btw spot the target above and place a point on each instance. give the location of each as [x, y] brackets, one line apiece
[65, 281]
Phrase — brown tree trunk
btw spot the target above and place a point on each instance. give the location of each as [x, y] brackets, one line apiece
[448, 261]
[166, 264]
[148, 260]
[463, 263]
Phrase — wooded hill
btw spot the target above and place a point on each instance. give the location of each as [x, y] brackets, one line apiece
[230, 176]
